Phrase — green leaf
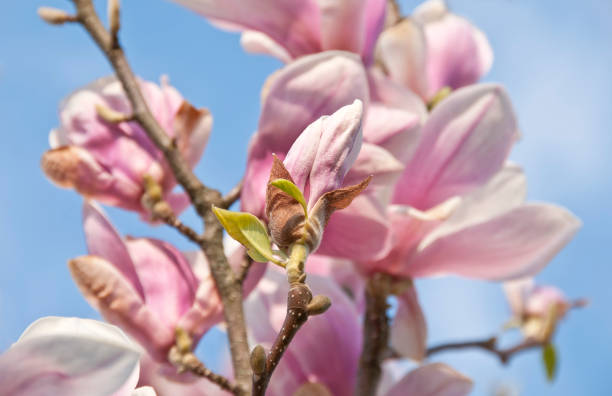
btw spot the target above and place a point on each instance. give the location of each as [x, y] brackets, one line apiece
[292, 190]
[549, 358]
[249, 231]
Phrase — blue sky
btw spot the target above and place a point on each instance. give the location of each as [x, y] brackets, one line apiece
[553, 56]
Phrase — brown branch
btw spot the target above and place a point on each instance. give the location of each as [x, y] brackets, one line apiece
[375, 335]
[201, 196]
[245, 266]
[174, 222]
[297, 314]
[233, 195]
[490, 345]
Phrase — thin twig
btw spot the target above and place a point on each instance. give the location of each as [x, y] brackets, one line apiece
[201, 196]
[174, 222]
[233, 195]
[490, 345]
[195, 366]
[375, 336]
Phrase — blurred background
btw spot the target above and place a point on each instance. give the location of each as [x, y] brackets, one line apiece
[554, 57]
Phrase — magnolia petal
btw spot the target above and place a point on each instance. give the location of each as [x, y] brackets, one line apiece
[104, 241]
[464, 142]
[68, 356]
[337, 150]
[360, 232]
[259, 43]
[107, 290]
[294, 24]
[144, 391]
[409, 329]
[516, 244]
[505, 191]
[192, 128]
[168, 282]
[375, 16]
[403, 50]
[377, 162]
[341, 23]
[308, 359]
[343, 272]
[257, 174]
[307, 89]
[517, 292]
[458, 54]
[435, 379]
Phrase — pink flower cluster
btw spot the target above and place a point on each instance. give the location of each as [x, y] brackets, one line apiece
[362, 94]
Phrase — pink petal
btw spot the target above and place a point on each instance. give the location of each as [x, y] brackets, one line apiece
[464, 142]
[517, 292]
[343, 272]
[375, 161]
[68, 356]
[435, 379]
[409, 329]
[403, 49]
[359, 232]
[516, 244]
[108, 291]
[307, 89]
[374, 14]
[259, 43]
[168, 282]
[308, 359]
[104, 241]
[294, 24]
[458, 54]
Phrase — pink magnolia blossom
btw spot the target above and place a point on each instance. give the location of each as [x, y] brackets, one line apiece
[433, 49]
[107, 161]
[318, 85]
[288, 29]
[145, 286]
[458, 211]
[71, 357]
[307, 362]
[536, 309]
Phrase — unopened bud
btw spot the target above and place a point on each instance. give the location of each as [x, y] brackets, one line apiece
[112, 116]
[113, 16]
[258, 360]
[55, 16]
[318, 305]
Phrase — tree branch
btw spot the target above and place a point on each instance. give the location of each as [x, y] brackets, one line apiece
[375, 335]
[201, 196]
[490, 345]
[233, 195]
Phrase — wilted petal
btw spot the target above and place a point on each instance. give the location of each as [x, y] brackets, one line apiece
[464, 142]
[458, 54]
[516, 244]
[168, 282]
[104, 241]
[435, 379]
[107, 290]
[192, 128]
[68, 356]
[308, 359]
[409, 330]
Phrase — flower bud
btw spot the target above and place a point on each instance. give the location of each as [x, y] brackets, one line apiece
[55, 16]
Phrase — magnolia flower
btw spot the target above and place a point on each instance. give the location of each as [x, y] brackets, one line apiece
[145, 286]
[287, 29]
[434, 49]
[308, 366]
[318, 85]
[537, 309]
[458, 210]
[71, 356]
[108, 161]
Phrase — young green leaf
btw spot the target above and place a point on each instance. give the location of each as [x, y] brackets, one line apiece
[291, 189]
[249, 231]
[549, 358]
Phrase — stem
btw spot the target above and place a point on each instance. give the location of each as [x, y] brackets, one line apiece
[201, 196]
[490, 345]
[233, 195]
[375, 335]
[298, 311]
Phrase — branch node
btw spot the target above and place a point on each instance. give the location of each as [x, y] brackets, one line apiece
[318, 305]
